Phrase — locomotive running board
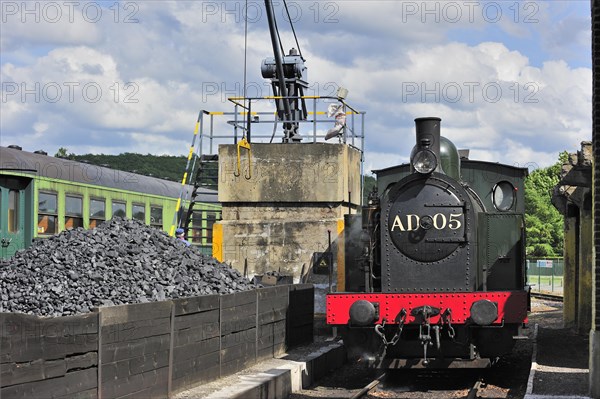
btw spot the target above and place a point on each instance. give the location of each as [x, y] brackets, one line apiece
[431, 364]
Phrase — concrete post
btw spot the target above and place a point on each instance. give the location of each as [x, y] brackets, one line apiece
[571, 255]
[594, 349]
[595, 330]
[572, 197]
[584, 307]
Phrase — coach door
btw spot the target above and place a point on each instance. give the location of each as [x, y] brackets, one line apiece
[13, 214]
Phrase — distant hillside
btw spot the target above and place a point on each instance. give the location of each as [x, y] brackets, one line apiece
[163, 166]
[160, 166]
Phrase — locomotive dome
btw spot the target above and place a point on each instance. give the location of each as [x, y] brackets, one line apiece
[449, 158]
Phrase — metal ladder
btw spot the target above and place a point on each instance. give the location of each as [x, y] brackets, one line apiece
[199, 218]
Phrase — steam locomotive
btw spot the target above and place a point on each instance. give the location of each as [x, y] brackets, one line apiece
[435, 263]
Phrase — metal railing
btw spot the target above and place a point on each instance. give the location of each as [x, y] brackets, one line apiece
[546, 275]
[252, 124]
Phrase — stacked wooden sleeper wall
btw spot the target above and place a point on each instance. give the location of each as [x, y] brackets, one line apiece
[135, 344]
[54, 356]
[147, 350]
[299, 328]
[196, 341]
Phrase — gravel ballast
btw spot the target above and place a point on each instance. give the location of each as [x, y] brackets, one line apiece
[121, 261]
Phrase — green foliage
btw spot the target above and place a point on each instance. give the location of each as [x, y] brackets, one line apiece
[163, 166]
[544, 223]
[64, 153]
[541, 250]
[369, 183]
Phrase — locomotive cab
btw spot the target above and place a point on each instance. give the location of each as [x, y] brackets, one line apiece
[440, 277]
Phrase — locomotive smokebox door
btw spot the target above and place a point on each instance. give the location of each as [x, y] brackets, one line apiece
[427, 220]
[322, 262]
[428, 225]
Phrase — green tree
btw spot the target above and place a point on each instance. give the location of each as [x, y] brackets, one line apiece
[369, 183]
[64, 153]
[160, 166]
[543, 222]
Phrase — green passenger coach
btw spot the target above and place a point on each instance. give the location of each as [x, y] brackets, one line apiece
[41, 195]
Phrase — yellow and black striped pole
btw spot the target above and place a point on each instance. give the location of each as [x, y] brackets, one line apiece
[185, 175]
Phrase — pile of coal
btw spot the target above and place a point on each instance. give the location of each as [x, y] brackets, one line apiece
[121, 261]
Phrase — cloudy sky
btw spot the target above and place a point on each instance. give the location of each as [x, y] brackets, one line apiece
[511, 80]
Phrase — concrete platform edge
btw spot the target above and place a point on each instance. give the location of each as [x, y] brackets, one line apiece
[292, 376]
[529, 393]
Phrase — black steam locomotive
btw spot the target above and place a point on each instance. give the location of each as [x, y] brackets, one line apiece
[435, 270]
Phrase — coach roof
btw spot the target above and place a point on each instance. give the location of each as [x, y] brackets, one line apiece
[14, 160]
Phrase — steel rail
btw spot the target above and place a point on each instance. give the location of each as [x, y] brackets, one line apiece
[368, 387]
[552, 297]
[474, 389]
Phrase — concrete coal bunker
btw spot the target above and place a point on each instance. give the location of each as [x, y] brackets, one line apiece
[119, 262]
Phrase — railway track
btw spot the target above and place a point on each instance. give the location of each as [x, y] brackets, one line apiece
[453, 387]
[550, 297]
[369, 387]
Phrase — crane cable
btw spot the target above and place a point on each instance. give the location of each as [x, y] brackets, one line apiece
[277, 29]
[243, 143]
[293, 30]
[245, 52]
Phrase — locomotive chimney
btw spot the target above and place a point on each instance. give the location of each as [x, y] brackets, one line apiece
[428, 134]
[425, 156]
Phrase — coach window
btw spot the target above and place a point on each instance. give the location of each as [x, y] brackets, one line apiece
[196, 232]
[73, 212]
[13, 211]
[156, 217]
[139, 212]
[211, 218]
[97, 212]
[118, 209]
[47, 213]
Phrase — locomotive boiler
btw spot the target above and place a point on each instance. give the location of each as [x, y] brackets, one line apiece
[435, 270]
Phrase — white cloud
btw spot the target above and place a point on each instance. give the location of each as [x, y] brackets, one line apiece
[30, 24]
[398, 63]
